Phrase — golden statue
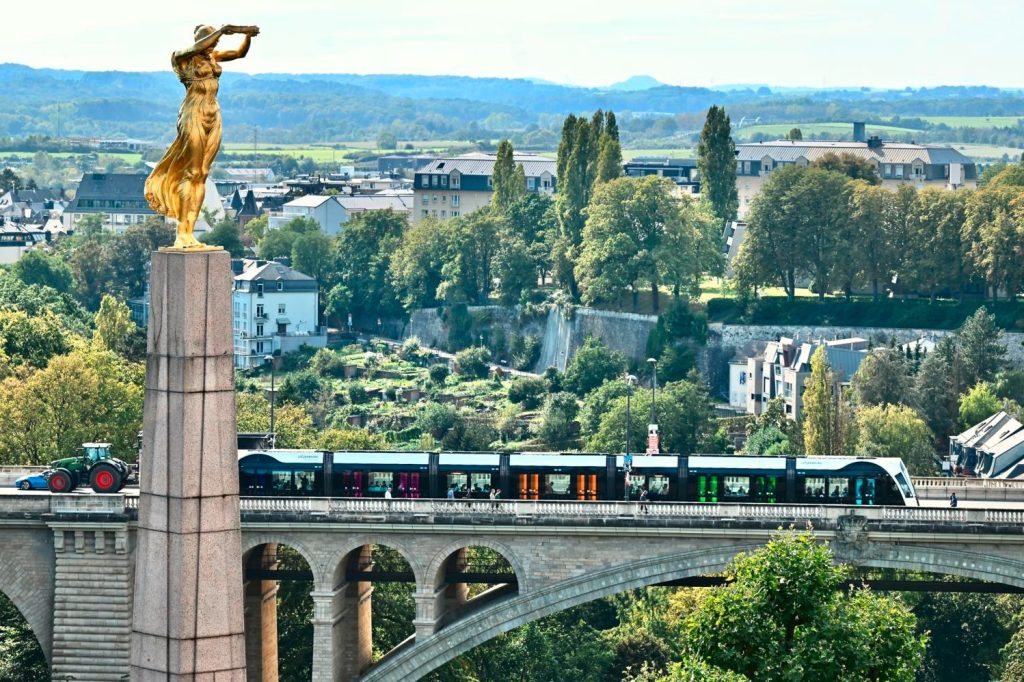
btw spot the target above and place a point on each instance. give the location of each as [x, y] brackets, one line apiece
[177, 186]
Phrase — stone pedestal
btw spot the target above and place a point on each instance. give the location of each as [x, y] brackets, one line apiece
[188, 610]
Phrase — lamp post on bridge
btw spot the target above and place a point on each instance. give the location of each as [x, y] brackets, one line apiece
[627, 458]
[273, 399]
[652, 428]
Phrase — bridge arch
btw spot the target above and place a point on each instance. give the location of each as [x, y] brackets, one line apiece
[515, 610]
[293, 540]
[436, 565]
[334, 564]
[27, 580]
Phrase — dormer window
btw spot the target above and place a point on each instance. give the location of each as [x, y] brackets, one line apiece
[280, 285]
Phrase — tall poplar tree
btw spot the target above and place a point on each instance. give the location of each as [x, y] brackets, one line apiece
[716, 159]
[509, 180]
[609, 160]
[820, 433]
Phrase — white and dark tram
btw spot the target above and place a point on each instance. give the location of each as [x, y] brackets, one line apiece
[572, 476]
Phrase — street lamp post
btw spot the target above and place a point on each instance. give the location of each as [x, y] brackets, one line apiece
[654, 387]
[627, 459]
[273, 399]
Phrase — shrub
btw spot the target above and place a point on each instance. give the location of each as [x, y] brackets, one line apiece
[526, 391]
[300, 387]
[553, 379]
[470, 432]
[438, 373]
[473, 361]
[460, 327]
[410, 347]
[326, 362]
[524, 351]
[592, 365]
[436, 419]
[357, 394]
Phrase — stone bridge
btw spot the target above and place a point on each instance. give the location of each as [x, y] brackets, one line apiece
[68, 565]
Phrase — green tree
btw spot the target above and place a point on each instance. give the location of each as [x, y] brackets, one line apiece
[934, 259]
[364, 250]
[79, 397]
[978, 404]
[994, 232]
[716, 159]
[472, 362]
[896, 431]
[875, 227]
[387, 140]
[821, 435]
[114, 326]
[32, 340]
[36, 267]
[127, 255]
[850, 165]
[280, 242]
[683, 410]
[981, 348]
[21, 657]
[256, 229]
[225, 233]
[794, 134]
[592, 365]
[769, 440]
[351, 439]
[882, 378]
[935, 395]
[292, 423]
[782, 617]
[555, 427]
[506, 178]
[313, 254]
[959, 622]
[416, 265]
[577, 161]
[90, 269]
[609, 160]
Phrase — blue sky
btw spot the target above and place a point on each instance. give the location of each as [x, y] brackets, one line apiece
[816, 43]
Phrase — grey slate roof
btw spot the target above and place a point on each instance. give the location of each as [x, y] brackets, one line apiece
[271, 272]
[889, 152]
[478, 163]
[125, 188]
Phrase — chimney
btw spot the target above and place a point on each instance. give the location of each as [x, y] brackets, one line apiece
[859, 131]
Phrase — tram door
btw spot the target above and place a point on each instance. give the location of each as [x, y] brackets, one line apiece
[864, 490]
[707, 488]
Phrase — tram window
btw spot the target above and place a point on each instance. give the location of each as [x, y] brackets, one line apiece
[658, 486]
[408, 484]
[815, 487]
[459, 481]
[839, 488]
[908, 492]
[557, 484]
[764, 488]
[377, 482]
[480, 483]
[736, 486]
[281, 482]
[864, 490]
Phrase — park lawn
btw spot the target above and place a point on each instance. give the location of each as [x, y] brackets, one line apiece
[839, 131]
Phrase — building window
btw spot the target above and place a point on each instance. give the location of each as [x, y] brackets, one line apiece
[899, 170]
[433, 181]
[455, 182]
[888, 170]
[280, 286]
[280, 308]
[490, 182]
[444, 180]
[455, 200]
[531, 183]
[425, 213]
[444, 214]
[945, 171]
[259, 347]
[455, 214]
[444, 198]
[425, 181]
[426, 198]
[259, 289]
[259, 311]
[546, 184]
[739, 168]
[746, 168]
[259, 330]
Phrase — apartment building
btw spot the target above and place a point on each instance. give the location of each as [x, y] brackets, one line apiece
[451, 186]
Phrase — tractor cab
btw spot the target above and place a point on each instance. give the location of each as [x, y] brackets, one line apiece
[96, 452]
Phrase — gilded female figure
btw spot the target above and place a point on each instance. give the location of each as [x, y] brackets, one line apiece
[177, 186]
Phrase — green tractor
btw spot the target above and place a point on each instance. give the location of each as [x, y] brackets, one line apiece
[92, 465]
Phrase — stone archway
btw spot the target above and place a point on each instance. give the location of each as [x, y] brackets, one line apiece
[27, 580]
[262, 557]
[509, 613]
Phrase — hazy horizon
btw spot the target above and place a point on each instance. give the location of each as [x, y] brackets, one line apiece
[793, 43]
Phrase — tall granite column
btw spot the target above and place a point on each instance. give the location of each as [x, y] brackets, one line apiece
[188, 612]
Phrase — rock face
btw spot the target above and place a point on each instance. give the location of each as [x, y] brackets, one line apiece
[188, 618]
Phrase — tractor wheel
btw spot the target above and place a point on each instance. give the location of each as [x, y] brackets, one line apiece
[60, 481]
[105, 479]
[25, 485]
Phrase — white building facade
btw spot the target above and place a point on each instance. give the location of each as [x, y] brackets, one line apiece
[275, 311]
[325, 210]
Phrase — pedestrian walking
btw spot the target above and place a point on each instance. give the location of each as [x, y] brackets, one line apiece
[644, 500]
[952, 500]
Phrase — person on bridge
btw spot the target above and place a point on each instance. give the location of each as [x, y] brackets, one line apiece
[643, 500]
[952, 500]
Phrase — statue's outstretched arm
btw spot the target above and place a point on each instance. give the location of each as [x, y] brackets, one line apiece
[241, 50]
[204, 44]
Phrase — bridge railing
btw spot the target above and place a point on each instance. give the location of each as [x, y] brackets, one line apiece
[962, 483]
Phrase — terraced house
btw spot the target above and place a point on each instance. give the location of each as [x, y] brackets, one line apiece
[452, 186]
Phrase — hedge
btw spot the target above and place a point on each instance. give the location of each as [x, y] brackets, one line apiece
[897, 313]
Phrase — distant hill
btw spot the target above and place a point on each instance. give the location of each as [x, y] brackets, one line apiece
[303, 108]
[634, 83]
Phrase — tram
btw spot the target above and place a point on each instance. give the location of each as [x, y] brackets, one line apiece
[577, 476]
